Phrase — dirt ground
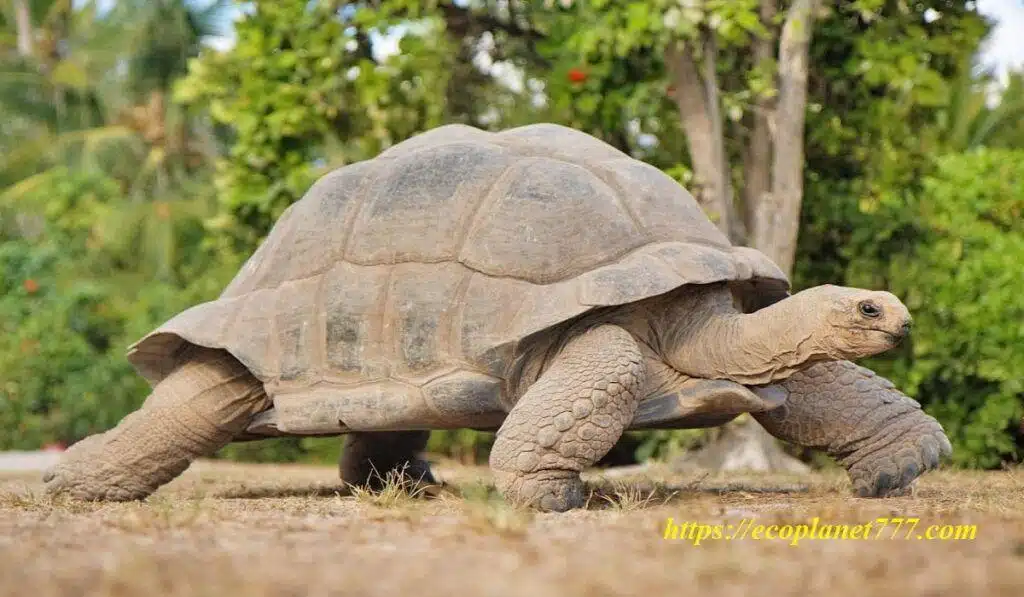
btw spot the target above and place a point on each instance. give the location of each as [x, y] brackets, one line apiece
[225, 529]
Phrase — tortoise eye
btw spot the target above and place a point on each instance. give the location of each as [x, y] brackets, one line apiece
[869, 309]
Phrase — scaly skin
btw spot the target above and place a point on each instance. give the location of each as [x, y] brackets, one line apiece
[194, 412]
[368, 458]
[881, 436]
[568, 419]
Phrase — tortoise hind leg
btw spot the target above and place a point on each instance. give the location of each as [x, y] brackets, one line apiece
[369, 458]
[194, 412]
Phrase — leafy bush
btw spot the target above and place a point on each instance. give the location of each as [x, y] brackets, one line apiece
[45, 321]
[300, 92]
[69, 308]
[953, 250]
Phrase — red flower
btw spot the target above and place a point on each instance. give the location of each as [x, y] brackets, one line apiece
[577, 75]
[31, 286]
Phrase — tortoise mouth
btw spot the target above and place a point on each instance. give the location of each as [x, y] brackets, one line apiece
[888, 336]
[894, 338]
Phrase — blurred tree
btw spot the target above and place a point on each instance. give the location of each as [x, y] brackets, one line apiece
[105, 188]
[307, 89]
[68, 309]
[23, 23]
[122, 124]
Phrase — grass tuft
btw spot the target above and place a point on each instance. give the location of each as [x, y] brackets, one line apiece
[627, 497]
[394, 489]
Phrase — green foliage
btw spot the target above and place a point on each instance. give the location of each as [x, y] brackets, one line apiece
[41, 324]
[101, 214]
[167, 34]
[313, 450]
[970, 120]
[953, 254]
[65, 319]
[302, 92]
[465, 445]
[664, 444]
[867, 134]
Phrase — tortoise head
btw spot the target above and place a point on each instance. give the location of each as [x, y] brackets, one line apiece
[852, 323]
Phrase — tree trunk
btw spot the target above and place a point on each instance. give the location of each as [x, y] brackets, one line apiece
[23, 22]
[772, 194]
[757, 159]
[777, 220]
[741, 445]
[699, 110]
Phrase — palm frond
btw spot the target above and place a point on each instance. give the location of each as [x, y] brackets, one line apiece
[213, 20]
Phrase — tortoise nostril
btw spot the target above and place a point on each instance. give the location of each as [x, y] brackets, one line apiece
[905, 329]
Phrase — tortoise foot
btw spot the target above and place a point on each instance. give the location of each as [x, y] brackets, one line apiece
[374, 460]
[84, 473]
[549, 491]
[891, 472]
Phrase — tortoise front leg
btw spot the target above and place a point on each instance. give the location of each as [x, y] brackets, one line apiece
[880, 435]
[368, 457]
[569, 419]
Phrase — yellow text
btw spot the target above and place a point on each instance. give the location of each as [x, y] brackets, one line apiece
[884, 528]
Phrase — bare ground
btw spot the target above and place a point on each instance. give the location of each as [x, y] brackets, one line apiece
[287, 530]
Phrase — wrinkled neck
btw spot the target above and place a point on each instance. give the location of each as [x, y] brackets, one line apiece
[715, 341]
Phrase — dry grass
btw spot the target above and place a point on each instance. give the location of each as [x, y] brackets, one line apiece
[293, 530]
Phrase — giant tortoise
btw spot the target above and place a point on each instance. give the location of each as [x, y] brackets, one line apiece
[535, 281]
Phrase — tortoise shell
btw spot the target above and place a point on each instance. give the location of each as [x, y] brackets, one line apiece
[397, 289]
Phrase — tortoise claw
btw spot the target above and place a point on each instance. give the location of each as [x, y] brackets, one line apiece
[891, 471]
